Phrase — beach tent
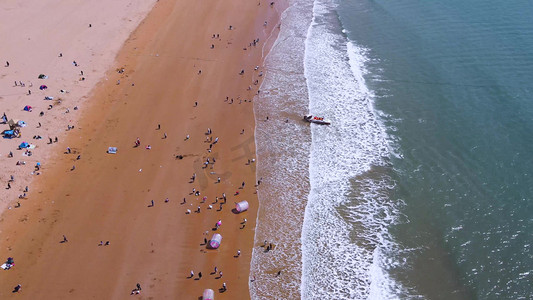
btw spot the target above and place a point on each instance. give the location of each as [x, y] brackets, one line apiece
[214, 243]
[24, 145]
[27, 108]
[43, 87]
[13, 123]
[241, 206]
[208, 294]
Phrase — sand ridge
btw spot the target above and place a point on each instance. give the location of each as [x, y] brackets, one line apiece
[108, 197]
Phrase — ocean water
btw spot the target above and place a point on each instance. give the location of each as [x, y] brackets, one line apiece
[421, 188]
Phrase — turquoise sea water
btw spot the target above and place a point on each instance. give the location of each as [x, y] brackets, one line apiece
[454, 81]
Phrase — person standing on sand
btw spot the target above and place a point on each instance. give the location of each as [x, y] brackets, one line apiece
[199, 275]
[192, 273]
[139, 286]
[64, 239]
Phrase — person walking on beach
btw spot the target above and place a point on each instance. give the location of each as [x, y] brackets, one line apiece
[199, 275]
[65, 239]
[192, 273]
[139, 286]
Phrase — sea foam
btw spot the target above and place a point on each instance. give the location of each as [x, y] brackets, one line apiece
[346, 248]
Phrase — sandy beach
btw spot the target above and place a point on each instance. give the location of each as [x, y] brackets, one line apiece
[72, 47]
[183, 84]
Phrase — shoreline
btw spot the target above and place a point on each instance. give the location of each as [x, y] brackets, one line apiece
[72, 203]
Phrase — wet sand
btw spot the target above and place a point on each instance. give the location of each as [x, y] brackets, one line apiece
[107, 197]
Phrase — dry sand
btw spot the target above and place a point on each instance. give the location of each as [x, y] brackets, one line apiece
[107, 197]
[34, 33]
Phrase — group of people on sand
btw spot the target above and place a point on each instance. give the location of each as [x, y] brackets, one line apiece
[29, 151]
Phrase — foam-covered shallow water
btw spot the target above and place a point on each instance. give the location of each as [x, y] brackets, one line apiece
[345, 240]
[324, 197]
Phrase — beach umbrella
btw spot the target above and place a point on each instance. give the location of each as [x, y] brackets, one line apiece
[43, 87]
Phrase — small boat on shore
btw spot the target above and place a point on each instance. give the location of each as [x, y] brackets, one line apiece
[316, 120]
